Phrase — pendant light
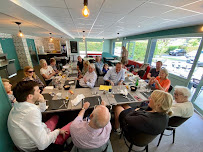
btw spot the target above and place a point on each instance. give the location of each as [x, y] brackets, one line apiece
[85, 10]
[20, 32]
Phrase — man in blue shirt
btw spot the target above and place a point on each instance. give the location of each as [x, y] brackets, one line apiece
[116, 75]
[99, 64]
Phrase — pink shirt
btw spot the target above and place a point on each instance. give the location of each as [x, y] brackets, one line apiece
[83, 136]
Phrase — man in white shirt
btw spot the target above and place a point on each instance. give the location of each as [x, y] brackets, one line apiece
[25, 125]
[116, 75]
[89, 78]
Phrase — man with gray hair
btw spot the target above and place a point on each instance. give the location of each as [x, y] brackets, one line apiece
[92, 134]
[89, 78]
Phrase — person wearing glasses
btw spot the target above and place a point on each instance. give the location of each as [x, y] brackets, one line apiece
[29, 73]
[94, 133]
[182, 107]
[47, 72]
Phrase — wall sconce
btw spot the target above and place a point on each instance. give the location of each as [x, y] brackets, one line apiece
[85, 10]
[20, 32]
[202, 29]
[103, 40]
[50, 38]
[83, 38]
[118, 37]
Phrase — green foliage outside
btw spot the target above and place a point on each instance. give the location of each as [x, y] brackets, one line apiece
[95, 46]
[81, 46]
[137, 50]
[164, 46]
[118, 44]
[91, 46]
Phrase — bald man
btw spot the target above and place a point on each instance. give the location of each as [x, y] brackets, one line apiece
[94, 133]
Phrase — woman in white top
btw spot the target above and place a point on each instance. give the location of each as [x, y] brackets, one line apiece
[47, 72]
[182, 107]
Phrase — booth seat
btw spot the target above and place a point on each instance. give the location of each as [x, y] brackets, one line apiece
[138, 65]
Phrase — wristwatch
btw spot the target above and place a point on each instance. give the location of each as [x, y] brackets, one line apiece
[83, 108]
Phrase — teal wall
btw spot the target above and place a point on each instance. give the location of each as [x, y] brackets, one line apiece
[33, 51]
[9, 49]
[6, 144]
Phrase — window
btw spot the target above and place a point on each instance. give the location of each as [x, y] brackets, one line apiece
[117, 48]
[94, 47]
[82, 49]
[177, 54]
[137, 50]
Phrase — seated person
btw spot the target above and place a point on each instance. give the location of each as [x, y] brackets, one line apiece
[53, 65]
[88, 79]
[29, 73]
[105, 68]
[93, 133]
[154, 72]
[134, 121]
[47, 72]
[161, 82]
[116, 75]
[7, 87]
[85, 68]
[80, 64]
[99, 64]
[25, 125]
[182, 107]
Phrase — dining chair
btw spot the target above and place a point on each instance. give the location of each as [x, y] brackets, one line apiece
[173, 123]
[139, 139]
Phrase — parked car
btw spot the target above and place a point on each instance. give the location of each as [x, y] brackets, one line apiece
[178, 52]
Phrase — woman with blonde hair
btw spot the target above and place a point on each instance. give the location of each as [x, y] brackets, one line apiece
[29, 73]
[161, 82]
[153, 121]
[47, 72]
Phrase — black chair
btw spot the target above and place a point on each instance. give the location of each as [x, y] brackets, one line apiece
[170, 89]
[63, 61]
[140, 139]
[173, 123]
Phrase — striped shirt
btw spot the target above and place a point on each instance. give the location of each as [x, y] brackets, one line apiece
[83, 136]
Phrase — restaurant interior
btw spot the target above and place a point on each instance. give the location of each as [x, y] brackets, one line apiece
[150, 30]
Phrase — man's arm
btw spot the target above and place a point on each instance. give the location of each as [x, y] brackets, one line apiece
[84, 108]
[107, 77]
[92, 81]
[149, 75]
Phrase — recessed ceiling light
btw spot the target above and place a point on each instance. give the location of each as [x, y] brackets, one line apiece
[138, 25]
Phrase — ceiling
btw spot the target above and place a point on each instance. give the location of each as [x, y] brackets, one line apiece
[107, 17]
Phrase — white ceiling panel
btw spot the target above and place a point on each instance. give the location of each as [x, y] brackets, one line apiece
[176, 3]
[197, 6]
[47, 3]
[121, 6]
[176, 14]
[107, 17]
[150, 10]
[54, 12]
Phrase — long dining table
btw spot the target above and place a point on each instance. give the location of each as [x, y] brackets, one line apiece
[59, 99]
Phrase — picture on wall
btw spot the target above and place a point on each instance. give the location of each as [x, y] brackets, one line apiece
[73, 46]
[51, 46]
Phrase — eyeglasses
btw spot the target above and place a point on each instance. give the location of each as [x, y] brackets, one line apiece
[178, 94]
[30, 71]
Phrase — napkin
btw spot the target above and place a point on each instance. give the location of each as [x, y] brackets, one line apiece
[77, 99]
[124, 92]
[71, 82]
[49, 87]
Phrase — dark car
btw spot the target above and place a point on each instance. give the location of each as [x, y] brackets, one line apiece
[178, 52]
